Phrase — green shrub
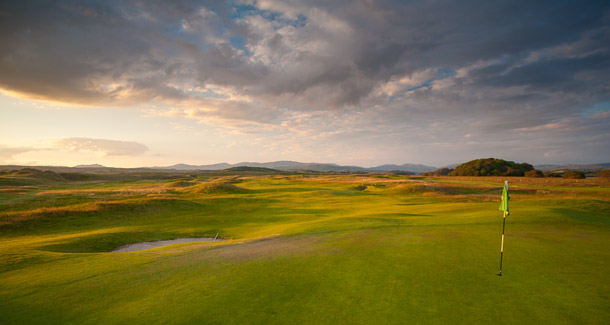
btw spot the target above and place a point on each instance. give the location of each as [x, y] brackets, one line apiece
[573, 174]
[603, 173]
[534, 173]
[182, 183]
[553, 174]
[439, 172]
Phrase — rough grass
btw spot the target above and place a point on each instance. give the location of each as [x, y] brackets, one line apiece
[350, 249]
[215, 187]
[29, 176]
[181, 183]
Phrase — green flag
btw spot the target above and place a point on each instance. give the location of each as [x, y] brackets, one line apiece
[505, 198]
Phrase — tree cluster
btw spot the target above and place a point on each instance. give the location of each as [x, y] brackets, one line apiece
[573, 174]
[603, 173]
[491, 167]
[534, 173]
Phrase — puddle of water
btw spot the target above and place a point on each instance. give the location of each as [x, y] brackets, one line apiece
[154, 244]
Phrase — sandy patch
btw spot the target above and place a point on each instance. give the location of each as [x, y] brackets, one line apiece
[154, 244]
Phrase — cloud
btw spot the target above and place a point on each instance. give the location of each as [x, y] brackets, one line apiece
[60, 151]
[104, 146]
[316, 53]
[427, 71]
[227, 112]
[7, 153]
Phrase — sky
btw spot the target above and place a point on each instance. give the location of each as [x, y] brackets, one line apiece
[359, 82]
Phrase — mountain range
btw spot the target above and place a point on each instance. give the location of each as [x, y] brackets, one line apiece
[291, 166]
[584, 168]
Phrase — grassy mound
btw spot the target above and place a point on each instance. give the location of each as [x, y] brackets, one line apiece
[573, 174]
[604, 173]
[534, 173]
[423, 188]
[29, 176]
[216, 187]
[181, 183]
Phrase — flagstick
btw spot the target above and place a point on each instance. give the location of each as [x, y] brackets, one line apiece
[502, 245]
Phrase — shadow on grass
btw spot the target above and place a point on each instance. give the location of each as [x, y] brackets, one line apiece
[585, 217]
[101, 243]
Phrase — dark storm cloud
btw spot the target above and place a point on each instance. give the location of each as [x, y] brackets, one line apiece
[75, 51]
[586, 74]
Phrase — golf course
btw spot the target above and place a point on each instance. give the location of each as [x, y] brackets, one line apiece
[303, 249]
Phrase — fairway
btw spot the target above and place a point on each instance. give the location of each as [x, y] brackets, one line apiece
[305, 249]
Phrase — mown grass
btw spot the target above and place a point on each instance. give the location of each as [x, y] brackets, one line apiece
[350, 249]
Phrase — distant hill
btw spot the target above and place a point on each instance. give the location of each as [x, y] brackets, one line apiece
[90, 166]
[251, 169]
[294, 166]
[439, 172]
[222, 166]
[416, 168]
[325, 168]
[286, 166]
[491, 167]
[583, 168]
[32, 175]
[197, 167]
[29, 176]
[282, 164]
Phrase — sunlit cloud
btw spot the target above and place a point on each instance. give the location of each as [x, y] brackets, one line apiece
[7, 153]
[308, 77]
[104, 146]
[71, 150]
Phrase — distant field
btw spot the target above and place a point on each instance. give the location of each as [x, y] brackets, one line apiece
[353, 249]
